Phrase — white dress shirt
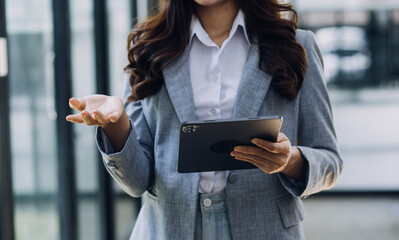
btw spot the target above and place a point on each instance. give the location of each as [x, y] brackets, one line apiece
[215, 75]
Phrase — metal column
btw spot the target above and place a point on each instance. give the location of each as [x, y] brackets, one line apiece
[133, 11]
[67, 198]
[106, 193]
[6, 193]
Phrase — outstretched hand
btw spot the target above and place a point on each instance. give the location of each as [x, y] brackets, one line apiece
[103, 111]
[273, 157]
[98, 110]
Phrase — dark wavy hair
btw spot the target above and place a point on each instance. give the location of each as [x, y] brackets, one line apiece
[162, 38]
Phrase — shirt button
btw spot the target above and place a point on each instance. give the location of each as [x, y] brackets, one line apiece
[213, 111]
[215, 79]
[207, 202]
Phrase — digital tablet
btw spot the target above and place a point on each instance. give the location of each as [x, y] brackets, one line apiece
[206, 145]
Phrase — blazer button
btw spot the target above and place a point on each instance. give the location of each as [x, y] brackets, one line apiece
[232, 178]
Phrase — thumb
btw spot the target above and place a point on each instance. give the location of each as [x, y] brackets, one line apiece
[78, 104]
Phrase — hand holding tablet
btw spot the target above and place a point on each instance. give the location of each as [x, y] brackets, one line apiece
[206, 145]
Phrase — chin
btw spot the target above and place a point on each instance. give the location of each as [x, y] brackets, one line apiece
[207, 3]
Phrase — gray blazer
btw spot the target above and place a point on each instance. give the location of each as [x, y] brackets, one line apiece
[260, 206]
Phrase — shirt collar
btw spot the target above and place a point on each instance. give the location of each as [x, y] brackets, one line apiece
[197, 29]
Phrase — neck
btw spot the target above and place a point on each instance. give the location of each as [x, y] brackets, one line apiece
[218, 19]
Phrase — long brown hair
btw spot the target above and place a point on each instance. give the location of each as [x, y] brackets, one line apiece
[162, 38]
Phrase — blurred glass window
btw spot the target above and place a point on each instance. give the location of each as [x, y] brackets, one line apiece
[359, 41]
[33, 118]
[86, 156]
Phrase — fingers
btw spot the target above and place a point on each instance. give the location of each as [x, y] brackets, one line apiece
[270, 157]
[267, 167]
[98, 110]
[255, 152]
[89, 119]
[115, 116]
[103, 119]
[83, 117]
[244, 156]
[281, 146]
[100, 117]
[96, 118]
[77, 104]
[75, 118]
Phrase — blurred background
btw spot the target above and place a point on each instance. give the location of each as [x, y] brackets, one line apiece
[52, 182]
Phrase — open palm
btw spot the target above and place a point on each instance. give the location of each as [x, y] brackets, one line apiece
[96, 110]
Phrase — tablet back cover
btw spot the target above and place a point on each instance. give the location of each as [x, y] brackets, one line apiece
[206, 145]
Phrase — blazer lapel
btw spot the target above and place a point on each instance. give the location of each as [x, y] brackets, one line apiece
[251, 92]
[178, 84]
[253, 87]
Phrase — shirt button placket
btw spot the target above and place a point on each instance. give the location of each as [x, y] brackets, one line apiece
[214, 79]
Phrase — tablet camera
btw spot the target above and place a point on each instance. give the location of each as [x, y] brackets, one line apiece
[190, 128]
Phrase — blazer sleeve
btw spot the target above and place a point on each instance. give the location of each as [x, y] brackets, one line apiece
[316, 134]
[132, 167]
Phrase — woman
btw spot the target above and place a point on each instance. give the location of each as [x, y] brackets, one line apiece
[208, 59]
